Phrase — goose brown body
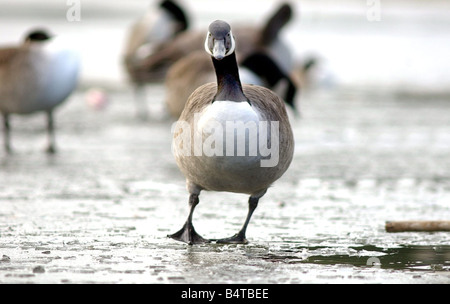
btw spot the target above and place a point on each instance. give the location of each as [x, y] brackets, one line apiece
[222, 173]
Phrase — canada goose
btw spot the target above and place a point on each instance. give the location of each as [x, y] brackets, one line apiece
[250, 38]
[223, 158]
[160, 24]
[157, 26]
[196, 69]
[36, 76]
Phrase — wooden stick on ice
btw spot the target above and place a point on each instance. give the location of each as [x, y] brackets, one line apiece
[401, 226]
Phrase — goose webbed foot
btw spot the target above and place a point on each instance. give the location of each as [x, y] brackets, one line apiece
[188, 235]
[238, 238]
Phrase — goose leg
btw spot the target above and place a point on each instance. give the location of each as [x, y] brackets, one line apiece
[239, 238]
[188, 234]
[6, 133]
[141, 102]
[50, 133]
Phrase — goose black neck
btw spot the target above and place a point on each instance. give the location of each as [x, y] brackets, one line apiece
[228, 82]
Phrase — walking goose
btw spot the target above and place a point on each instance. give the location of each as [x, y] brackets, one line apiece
[223, 158]
[36, 76]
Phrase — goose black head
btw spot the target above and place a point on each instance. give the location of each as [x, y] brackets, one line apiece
[37, 35]
[219, 41]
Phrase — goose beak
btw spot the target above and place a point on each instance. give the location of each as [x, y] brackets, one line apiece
[219, 49]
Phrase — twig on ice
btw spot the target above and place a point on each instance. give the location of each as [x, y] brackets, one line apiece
[401, 226]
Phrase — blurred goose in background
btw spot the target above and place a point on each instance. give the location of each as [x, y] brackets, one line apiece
[196, 69]
[160, 24]
[217, 104]
[157, 26]
[250, 38]
[36, 76]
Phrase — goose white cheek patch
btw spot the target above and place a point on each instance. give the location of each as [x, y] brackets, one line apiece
[228, 129]
[209, 48]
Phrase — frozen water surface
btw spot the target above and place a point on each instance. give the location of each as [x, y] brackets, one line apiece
[372, 145]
